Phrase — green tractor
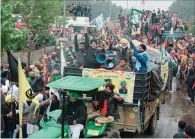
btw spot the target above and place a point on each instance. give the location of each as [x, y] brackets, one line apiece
[52, 128]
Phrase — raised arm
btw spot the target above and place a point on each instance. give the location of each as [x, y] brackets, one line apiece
[134, 47]
[76, 43]
[86, 41]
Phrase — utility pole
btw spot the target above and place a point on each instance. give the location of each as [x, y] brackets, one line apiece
[64, 18]
[94, 9]
[110, 9]
[127, 8]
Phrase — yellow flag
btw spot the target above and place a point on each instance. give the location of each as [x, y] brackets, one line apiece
[25, 93]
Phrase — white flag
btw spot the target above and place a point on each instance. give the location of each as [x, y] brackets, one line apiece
[100, 21]
[63, 60]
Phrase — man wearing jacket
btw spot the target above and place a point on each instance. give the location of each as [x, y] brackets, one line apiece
[105, 102]
[76, 113]
[122, 50]
[142, 63]
[9, 116]
[80, 51]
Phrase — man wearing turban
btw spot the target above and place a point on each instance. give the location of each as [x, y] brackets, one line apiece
[8, 113]
[142, 63]
[76, 113]
[105, 102]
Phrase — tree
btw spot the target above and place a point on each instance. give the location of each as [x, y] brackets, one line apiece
[37, 15]
[11, 39]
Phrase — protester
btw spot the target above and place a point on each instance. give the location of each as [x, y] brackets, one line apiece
[122, 50]
[80, 52]
[101, 103]
[123, 66]
[142, 59]
[91, 53]
[76, 113]
[8, 112]
[33, 117]
[26, 111]
[189, 132]
[181, 127]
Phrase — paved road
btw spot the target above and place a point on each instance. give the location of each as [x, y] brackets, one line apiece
[176, 108]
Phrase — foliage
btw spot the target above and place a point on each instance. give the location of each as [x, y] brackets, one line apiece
[39, 15]
[11, 39]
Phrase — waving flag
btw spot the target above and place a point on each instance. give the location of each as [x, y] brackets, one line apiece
[63, 60]
[99, 22]
[135, 16]
[25, 93]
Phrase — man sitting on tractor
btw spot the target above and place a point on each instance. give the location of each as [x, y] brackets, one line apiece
[105, 103]
[75, 114]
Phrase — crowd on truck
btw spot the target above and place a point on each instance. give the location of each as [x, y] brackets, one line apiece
[83, 54]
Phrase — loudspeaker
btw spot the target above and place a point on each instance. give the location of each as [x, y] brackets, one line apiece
[101, 58]
[110, 63]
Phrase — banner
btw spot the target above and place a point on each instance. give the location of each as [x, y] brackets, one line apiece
[123, 81]
[99, 22]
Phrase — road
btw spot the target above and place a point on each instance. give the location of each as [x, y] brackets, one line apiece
[176, 108]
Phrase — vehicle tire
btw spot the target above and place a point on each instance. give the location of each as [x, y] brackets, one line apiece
[110, 132]
[152, 124]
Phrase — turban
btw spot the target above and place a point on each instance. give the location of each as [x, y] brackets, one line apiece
[74, 94]
[9, 98]
[143, 46]
[111, 86]
[123, 83]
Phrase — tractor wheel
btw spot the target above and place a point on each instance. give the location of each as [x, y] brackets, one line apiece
[152, 124]
[110, 132]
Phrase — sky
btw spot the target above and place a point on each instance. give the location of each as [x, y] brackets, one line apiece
[149, 4]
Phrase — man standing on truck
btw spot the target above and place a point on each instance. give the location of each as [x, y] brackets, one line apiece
[123, 66]
[80, 52]
[105, 102]
[76, 113]
[142, 63]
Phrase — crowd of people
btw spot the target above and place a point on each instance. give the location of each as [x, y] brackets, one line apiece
[111, 42]
[79, 10]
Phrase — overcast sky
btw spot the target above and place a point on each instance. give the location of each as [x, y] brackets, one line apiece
[149, 4]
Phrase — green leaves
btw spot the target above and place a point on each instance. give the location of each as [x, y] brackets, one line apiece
[11, 39]
[36, 14]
